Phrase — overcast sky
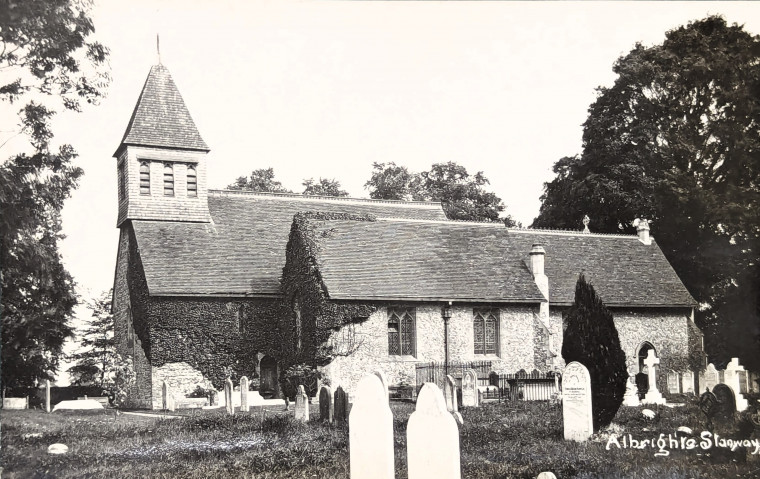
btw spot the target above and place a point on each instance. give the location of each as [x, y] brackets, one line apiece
[327, 88]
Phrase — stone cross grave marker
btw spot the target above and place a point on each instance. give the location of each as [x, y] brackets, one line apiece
[432, 434]
[370, 432]
[47, 395]
[673, 383]
[711, 377]
[326, 405]
[167, 399]
[687, 382]
[302, 405]
[653, 396]
[340, 412]
[244, 405]
[576, 402]
[631, 397]
[383, 380]
[450, 394]
[228, 388]
[732, 378]
[470, 388]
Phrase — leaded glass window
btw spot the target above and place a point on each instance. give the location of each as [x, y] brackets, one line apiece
[486, 330]
[401, 331]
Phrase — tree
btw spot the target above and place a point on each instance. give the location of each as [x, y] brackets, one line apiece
[324, 187]
[676, 140]
[260, 180]
[462, 194]
[51, 63]
[96, 361]
[592, 340]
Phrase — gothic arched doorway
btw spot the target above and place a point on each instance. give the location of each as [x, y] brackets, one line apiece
[269, 386]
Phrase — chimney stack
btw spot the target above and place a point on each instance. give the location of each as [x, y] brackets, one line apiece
[537, 255]
[642, 228]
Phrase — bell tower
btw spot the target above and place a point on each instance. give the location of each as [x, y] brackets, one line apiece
[161, 160]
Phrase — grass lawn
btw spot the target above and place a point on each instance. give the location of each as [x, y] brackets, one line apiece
[498, 440]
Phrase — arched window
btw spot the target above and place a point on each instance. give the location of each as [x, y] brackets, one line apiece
[486, 328]
[192, 181]
[144, 178]
[168, 180]
[401, 331]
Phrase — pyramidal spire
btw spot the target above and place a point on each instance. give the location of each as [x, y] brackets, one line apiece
[160, 118]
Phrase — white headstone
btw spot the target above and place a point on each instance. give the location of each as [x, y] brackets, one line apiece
[244, 405]
[546, 475]
[631, 397]
[15, 403]
[733, 378]
[652, 396]
[228, 401]
[674, 386]
[47, 395]
[370, 432]
[432, 442]
[687, 382]
[470, 388]
[576, 402]
[450, 394]
[711, 377]
[167, 400]
[302, 405]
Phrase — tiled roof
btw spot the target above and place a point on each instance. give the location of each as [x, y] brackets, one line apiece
[396, 260]
[243, 250]
[161, 118]
[391, 259]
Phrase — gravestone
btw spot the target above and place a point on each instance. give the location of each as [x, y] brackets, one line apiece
[673, 383]
[326, 405]
[726, 404]
[687, 382]
[708, 404]
[733, 379]
[631, 397]
[576, 402]
[370, 432]
[167, 400]
[340, 412]
[432, 442]
[302, 405]
[493, 379]
[16, 403]
[244, 404]
[470, 388]
[383, 380]
[450, 394]
[47, 395]
[711, 377]
[228, 396]
[653, 396]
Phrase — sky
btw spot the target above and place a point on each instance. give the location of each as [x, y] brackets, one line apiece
[324, 89]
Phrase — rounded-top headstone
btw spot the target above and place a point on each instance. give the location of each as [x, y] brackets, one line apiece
[546, 475]
[58, 448]
[432, 438]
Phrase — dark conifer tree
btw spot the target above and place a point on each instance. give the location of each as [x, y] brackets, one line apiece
[592, 340]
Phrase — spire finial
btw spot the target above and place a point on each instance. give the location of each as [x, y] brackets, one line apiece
[158, 49]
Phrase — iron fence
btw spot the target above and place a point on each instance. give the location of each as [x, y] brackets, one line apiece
[435, 372]
[521, 386]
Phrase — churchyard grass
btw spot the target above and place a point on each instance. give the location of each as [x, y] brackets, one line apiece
[517, 439]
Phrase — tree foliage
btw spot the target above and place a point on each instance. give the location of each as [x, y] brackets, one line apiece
[591, 339]
[676, 140]
[47, 63]
[323, 187]
[463, 195]
[96, 360]
[260, 180]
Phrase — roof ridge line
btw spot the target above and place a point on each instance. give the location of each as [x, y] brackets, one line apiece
[563, 232]
[497, 224]
[338, 199]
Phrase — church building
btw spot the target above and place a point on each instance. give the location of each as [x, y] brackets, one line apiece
[211, 284]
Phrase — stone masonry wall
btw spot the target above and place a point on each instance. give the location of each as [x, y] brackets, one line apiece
[516, 344]
[181, 379]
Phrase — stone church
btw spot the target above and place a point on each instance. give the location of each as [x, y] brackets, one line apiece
[215, 283]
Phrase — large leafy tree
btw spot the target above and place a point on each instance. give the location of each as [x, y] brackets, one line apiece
[676, 139]
[96, 359]
[260, 180]
[323, 187]
[47, 62]
[591, 339]
[463, 195]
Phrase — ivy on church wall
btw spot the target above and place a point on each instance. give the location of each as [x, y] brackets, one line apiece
[309, 317]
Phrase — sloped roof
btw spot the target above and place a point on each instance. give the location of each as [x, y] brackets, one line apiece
[160, 118]
[243, 250]
[390, 259]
